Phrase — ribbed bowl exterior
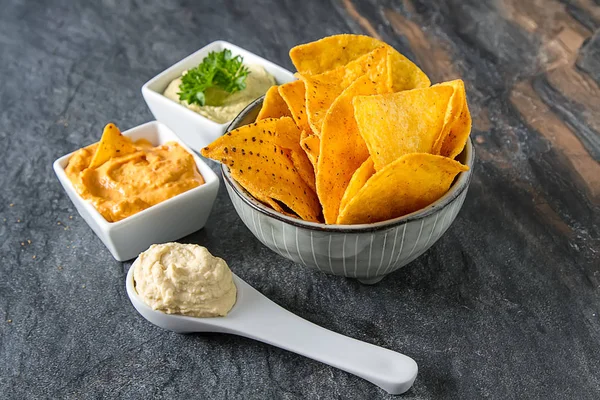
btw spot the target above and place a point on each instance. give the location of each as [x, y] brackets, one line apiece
[364, 255]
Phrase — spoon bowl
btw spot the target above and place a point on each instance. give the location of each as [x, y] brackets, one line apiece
[256, 317]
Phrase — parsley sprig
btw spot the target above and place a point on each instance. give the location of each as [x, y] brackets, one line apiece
[217, 70]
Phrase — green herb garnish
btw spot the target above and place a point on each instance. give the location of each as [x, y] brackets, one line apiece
[218, 70]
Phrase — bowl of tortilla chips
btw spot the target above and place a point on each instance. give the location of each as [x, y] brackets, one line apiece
[355, 169]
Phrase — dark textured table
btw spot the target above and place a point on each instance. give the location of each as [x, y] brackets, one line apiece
[505, 305]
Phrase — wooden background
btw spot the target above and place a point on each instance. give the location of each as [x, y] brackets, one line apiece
[505, 305]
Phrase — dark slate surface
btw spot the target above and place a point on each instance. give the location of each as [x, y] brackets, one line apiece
[505, 305]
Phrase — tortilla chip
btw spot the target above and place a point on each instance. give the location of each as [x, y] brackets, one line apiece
[286, 127]
[323, 89]
[358, 180]
[258, 156]
[396, 124]
[311, 145]
[453, 112]
[343, 149]
[335, 51]
[405, 74]
[260, 195]
[457, 124]
[408, 184]
[112, 144]
[331, 52]
[273, 105]
[293, 94]
[459, 134]
[287, 135]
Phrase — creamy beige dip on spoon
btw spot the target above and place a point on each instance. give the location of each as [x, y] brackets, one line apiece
[184, 279]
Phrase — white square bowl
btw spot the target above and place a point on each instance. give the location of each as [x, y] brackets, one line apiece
[169, 220]
[194, 129]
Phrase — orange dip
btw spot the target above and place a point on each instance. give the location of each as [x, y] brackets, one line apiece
[128, 184]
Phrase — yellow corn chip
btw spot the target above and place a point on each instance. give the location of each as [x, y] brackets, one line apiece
[331, 52]
[112, 144]
[286, 127]
[258, 158]
[338, 50]
[457, 124]
[311, 145]
[396, 124]
[359, 178]
[323, 89]
[293, 94]
[405, 74]
[459, 134]
[343, 149]
[273, 105]
[286, 134]
[455, 106]
[408, 184]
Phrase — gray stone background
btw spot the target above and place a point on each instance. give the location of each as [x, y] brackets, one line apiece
[505, 305]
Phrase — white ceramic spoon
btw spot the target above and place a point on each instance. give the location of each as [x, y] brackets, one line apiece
[256, 317]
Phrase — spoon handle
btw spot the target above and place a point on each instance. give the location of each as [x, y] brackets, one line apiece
[259, 318]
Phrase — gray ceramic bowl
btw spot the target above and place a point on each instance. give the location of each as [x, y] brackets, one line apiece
[367, 252]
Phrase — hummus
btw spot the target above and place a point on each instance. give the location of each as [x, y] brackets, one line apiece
[128, 184]
[184, 279]
[221, 106]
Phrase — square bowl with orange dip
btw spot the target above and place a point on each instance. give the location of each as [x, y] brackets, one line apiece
[138, 188]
